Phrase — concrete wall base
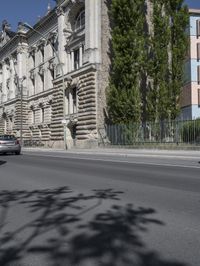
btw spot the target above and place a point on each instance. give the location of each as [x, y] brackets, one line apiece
[86, 144]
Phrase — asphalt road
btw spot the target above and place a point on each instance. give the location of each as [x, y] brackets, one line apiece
[88, 209]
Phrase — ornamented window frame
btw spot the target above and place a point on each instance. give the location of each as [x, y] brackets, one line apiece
[80, 19]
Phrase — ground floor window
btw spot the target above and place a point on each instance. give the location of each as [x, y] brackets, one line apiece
[71, 101]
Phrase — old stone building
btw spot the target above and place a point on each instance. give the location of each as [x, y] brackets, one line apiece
[53, 76]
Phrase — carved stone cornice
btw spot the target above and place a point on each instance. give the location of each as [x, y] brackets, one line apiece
[52, 64]
[13, 57]
[8, 83]
[32, 50]
[77, 1]
[22, 49]
[16, 79]
[32, 105]
[60, 11]
[41, 103]
[32, 74]
[41, 70]
[40, 126]
[49, 99]
[52, 36]
[41, 43]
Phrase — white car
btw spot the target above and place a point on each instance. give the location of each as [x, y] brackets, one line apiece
[9, 144]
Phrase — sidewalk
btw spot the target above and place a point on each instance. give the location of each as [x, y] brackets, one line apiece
[117, 151]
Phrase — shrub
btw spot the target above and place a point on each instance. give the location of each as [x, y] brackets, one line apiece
[190, 131]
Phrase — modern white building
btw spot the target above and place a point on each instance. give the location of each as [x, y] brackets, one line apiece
[53, 77]
[190, 96]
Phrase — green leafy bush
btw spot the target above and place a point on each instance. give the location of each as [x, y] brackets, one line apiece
[190, 131]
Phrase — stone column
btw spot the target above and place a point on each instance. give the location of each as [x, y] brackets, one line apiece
[4, 79]
[69, 61]
[21, 63]
[70, 103]
[12, 77]
[81, 55]
[72, 60]
[93, 31]
[61, 37]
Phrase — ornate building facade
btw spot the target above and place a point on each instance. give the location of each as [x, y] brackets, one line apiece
[53, 77]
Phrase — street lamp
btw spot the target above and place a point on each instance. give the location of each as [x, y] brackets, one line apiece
[19, 84]
[26, 25]
[21, 108]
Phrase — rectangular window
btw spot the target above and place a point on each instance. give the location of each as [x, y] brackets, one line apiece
[11, 123]
[42, 80]
[198, 28]
[52, 72]
[67, 102]
[199, 97]
[54, 47]
[33, 116]
[198, 51]
[198, 75]
[42, 115]
[33, 84]
[33, 60]
[74, 100]
[42, 53]
[76, 59]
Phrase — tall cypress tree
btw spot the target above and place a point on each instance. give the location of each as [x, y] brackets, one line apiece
[169, 47]
[124, 95]
[158, 58]
[158, 71]
[179, 21]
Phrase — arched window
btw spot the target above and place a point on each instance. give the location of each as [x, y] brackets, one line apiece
[80, 21]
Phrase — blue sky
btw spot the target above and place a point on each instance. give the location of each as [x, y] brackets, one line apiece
[193, 3]
[29, 10]
[23, 10]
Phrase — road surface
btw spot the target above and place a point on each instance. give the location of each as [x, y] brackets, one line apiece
[88, 209]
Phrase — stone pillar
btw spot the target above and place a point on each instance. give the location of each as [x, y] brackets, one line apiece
[70, 103]
[61, 37]
[4, 79]
[81, 55]
[69, 61]
[72, 60]
[12, 78]
[93, 31]
[21, 64]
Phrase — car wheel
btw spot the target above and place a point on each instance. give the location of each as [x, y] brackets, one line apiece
[17, 152]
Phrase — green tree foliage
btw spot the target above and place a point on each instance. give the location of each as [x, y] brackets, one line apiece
[179, 21]
[158, 71]
[124, 97]
[169, 44]
[147, 70]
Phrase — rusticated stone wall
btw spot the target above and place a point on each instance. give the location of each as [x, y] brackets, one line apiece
[103, 68]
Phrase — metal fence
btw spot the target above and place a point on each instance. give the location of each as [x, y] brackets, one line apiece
[32, 143]
[177, 132]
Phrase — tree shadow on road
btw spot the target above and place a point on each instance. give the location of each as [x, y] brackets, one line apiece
[2, 162]
[77, 229]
